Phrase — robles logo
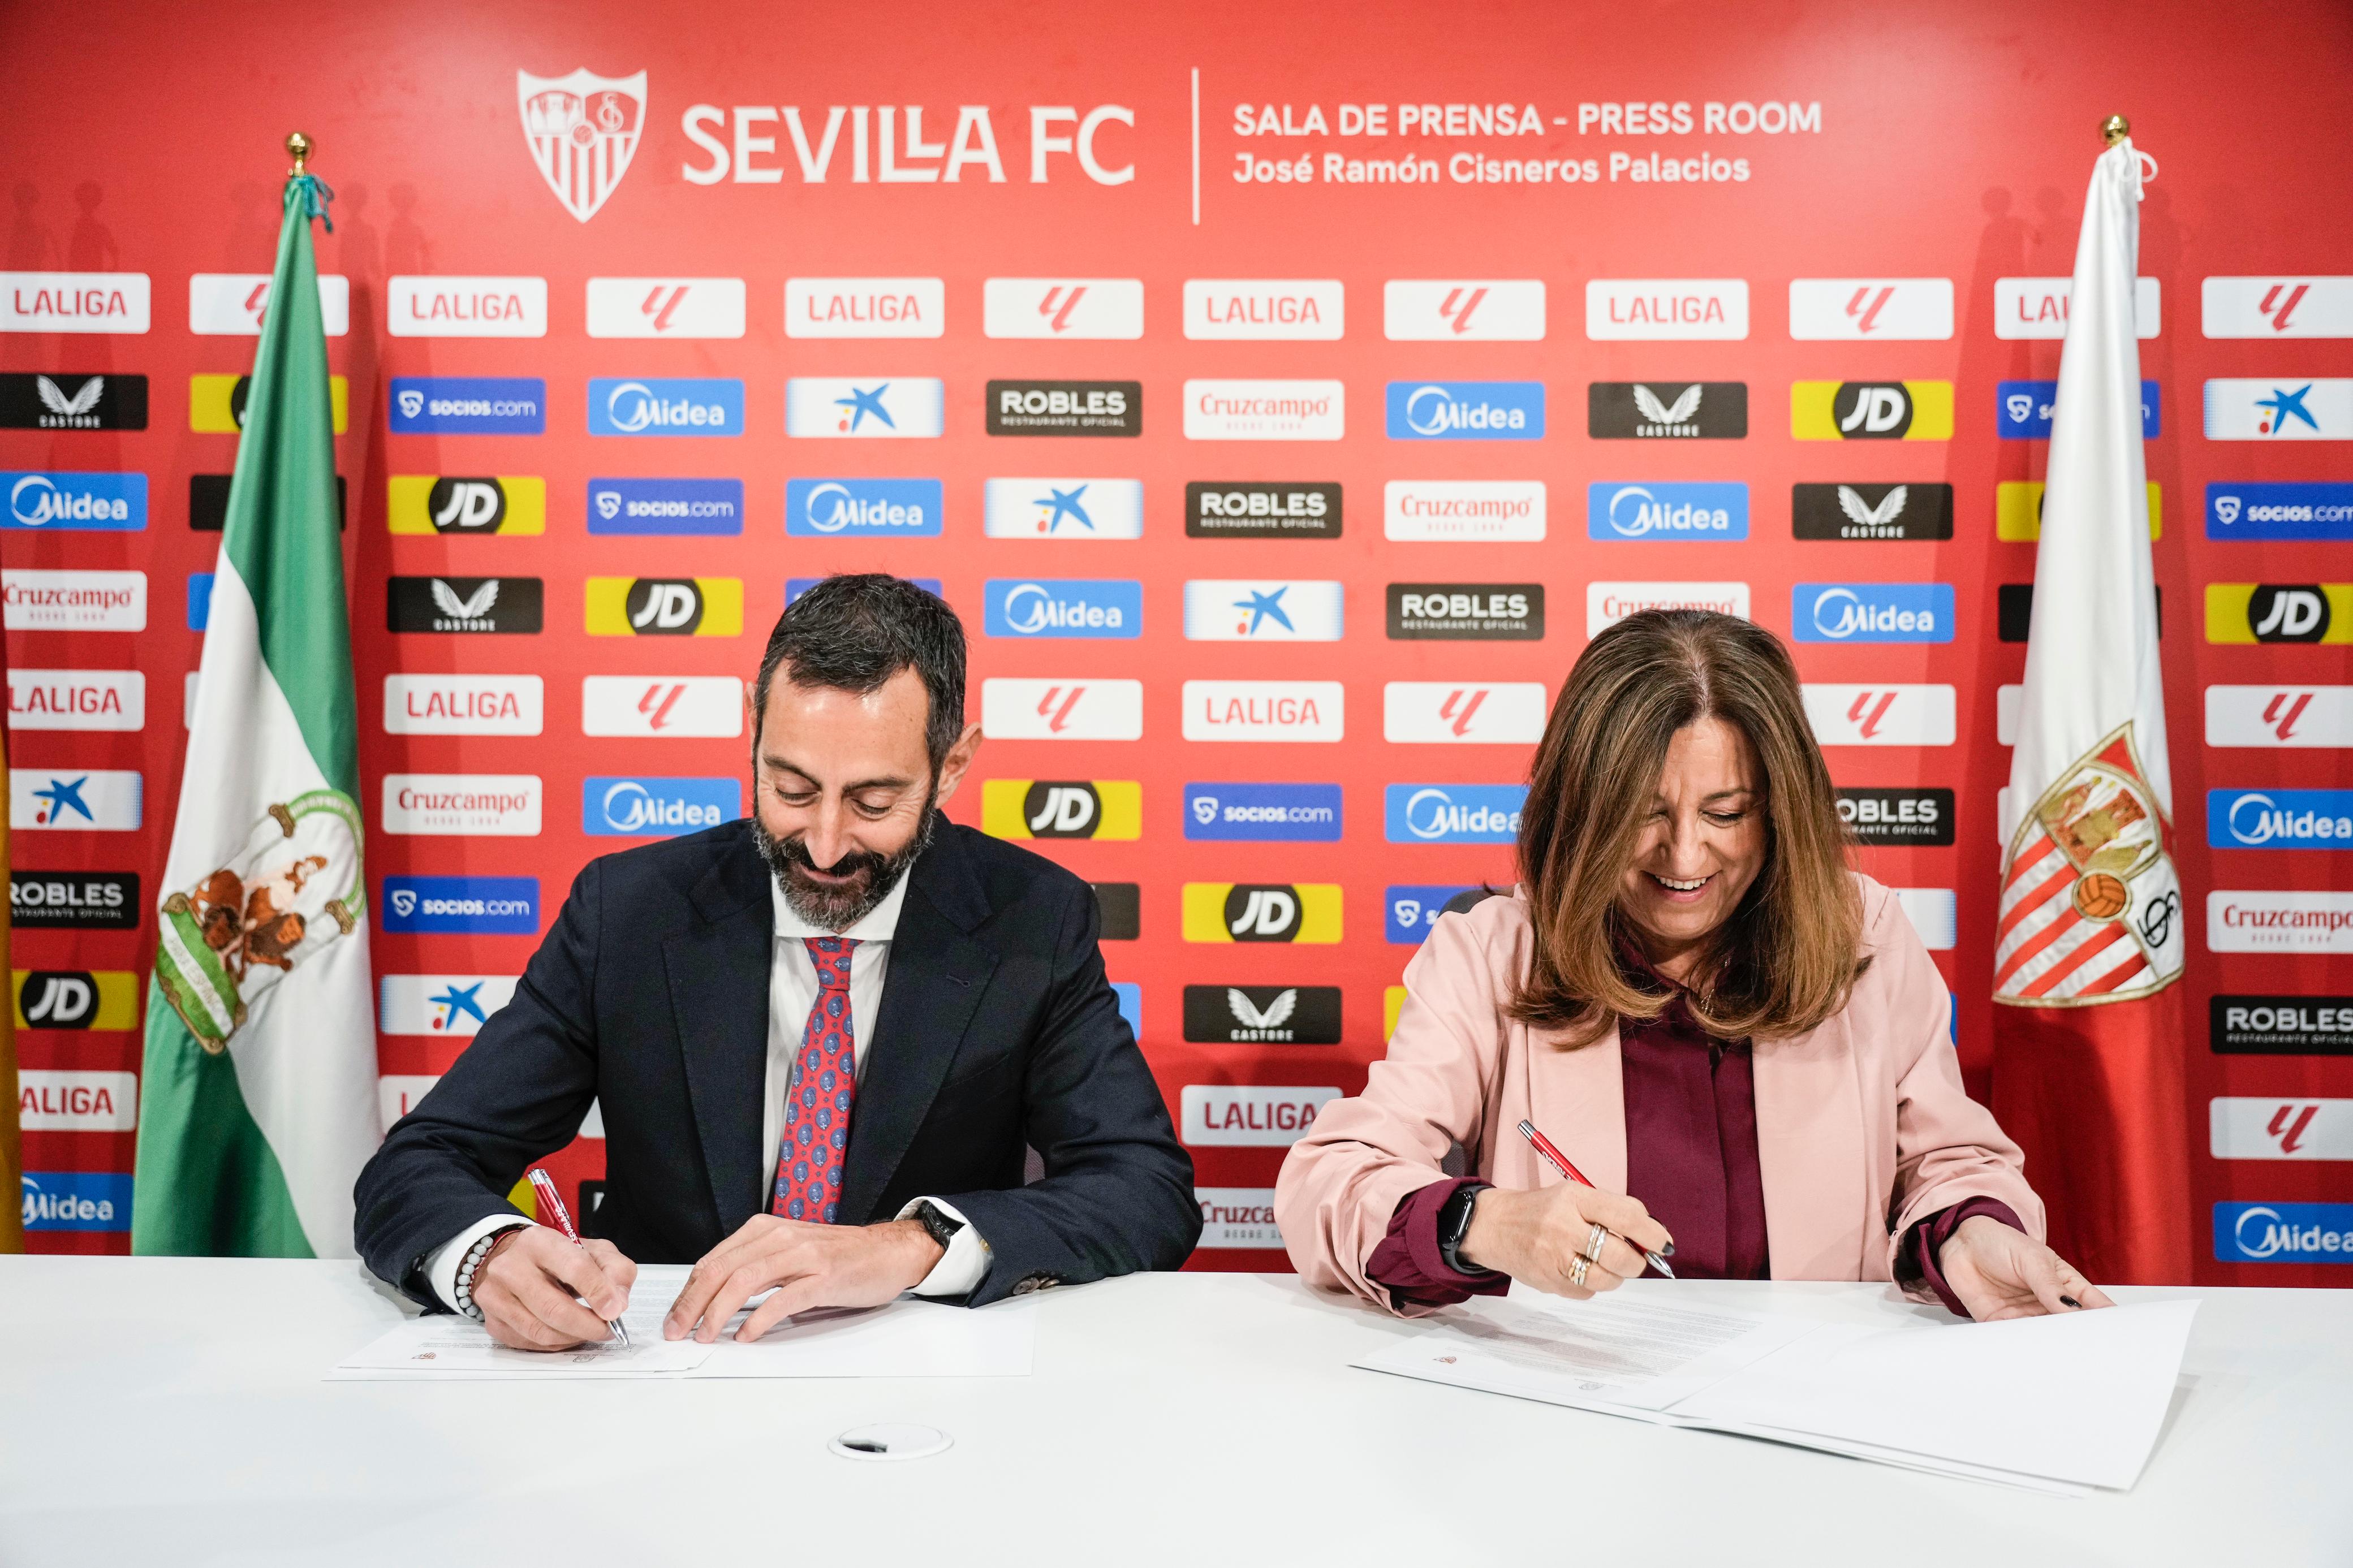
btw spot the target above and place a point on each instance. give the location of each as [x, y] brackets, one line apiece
[1062, 607]
[73, 900]
[657, 808]
[1466, 411]
[1253, 508]
[1452, 813]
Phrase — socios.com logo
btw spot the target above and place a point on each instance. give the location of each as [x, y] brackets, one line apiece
[410, 402]
[1657, 510]
[1871, 611]
[896, 508]
[1454, 814]
[665, 406]
[115, 503]
[658, 807]
[1466, 410]
[1063, 608]
[468, 406]
[507, 906]
[666, 506]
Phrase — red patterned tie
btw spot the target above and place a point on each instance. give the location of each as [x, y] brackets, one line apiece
[824, 1082]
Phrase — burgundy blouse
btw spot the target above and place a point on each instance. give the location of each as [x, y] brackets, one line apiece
[1690, 1157]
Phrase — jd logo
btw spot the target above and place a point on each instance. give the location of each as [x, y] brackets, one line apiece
[664, 606]
[59, 998]
[466, 506]
[1061, 810]
[1872, 410]
[1262, 912]
[2296, 613]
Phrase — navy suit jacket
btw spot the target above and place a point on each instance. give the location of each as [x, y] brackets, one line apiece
[998, 1033]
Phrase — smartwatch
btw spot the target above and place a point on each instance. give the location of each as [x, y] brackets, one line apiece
[1453, 1223]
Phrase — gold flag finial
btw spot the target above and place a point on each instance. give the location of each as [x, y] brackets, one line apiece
[2114, 129]
[299, 146]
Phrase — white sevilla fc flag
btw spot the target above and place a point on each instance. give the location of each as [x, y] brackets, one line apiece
[2089, 939]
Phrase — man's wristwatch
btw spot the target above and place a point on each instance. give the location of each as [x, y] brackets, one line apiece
[1454, 1222]
[941, 1226]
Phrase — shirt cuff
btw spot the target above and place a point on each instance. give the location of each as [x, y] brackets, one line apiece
[1407, 1261]
[1926, 1238]
[441, 1266]
[959, 1269]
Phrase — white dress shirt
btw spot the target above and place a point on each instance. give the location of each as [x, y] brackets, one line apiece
[792, 991]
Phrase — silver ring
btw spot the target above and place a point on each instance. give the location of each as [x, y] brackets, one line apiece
[1576, 1271]
[1595, 1240]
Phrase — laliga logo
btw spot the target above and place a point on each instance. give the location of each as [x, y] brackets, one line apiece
[403, 901]
[2227, 508]
[412, 403]
[1205, 809]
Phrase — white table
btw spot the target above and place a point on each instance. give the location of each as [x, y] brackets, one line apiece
[172, 1412]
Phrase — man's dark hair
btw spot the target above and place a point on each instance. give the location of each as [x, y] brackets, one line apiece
[855, 631]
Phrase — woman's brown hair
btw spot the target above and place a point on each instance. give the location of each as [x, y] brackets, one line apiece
[1787, 958]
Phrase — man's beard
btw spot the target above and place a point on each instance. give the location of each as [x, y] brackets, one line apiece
[838, 908]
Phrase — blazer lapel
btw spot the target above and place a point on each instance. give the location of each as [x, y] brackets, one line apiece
[1809, 1150]
[1577, 1098]
[933, 987]
[718, 976]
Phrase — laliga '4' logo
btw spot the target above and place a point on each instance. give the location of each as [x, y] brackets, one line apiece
[582, 130]
[1056, 705]
[2279, 310]
[1866, 304]
[1456, 309]
[1058, 302]
[2284, 709]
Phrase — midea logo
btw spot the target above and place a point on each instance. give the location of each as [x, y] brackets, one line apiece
[1434, 411]
[2278, 1238]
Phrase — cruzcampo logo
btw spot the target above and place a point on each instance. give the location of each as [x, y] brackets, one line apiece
[296, 887]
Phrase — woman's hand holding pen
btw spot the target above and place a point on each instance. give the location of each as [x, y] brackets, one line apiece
[1547, 1238]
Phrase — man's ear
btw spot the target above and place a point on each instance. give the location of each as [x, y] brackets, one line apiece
[959, 758]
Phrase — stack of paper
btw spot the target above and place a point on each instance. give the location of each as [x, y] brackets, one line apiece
[907, 1338]
[2057, 1404]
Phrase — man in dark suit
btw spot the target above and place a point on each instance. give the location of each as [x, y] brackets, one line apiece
[821, 1038]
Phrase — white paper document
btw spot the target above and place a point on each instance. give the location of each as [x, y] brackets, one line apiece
[906, 1338]
[2055, 1404]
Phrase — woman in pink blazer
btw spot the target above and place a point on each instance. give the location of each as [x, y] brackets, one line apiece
[1740, 1040]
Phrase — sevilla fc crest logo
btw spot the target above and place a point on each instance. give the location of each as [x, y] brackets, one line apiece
[2091, 907]
[583, 131]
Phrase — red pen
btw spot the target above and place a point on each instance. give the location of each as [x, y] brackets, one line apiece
[545, 1185]
[1560, 1163]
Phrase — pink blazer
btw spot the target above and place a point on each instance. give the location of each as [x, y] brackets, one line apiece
[1861, 1124]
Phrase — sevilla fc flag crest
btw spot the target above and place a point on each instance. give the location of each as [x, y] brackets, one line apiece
[2091, 910]
[583, 131]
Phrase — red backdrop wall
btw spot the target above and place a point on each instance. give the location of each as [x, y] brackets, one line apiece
[1932, 142]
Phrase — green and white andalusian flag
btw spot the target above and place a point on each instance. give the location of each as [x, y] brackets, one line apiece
[257, 1105]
